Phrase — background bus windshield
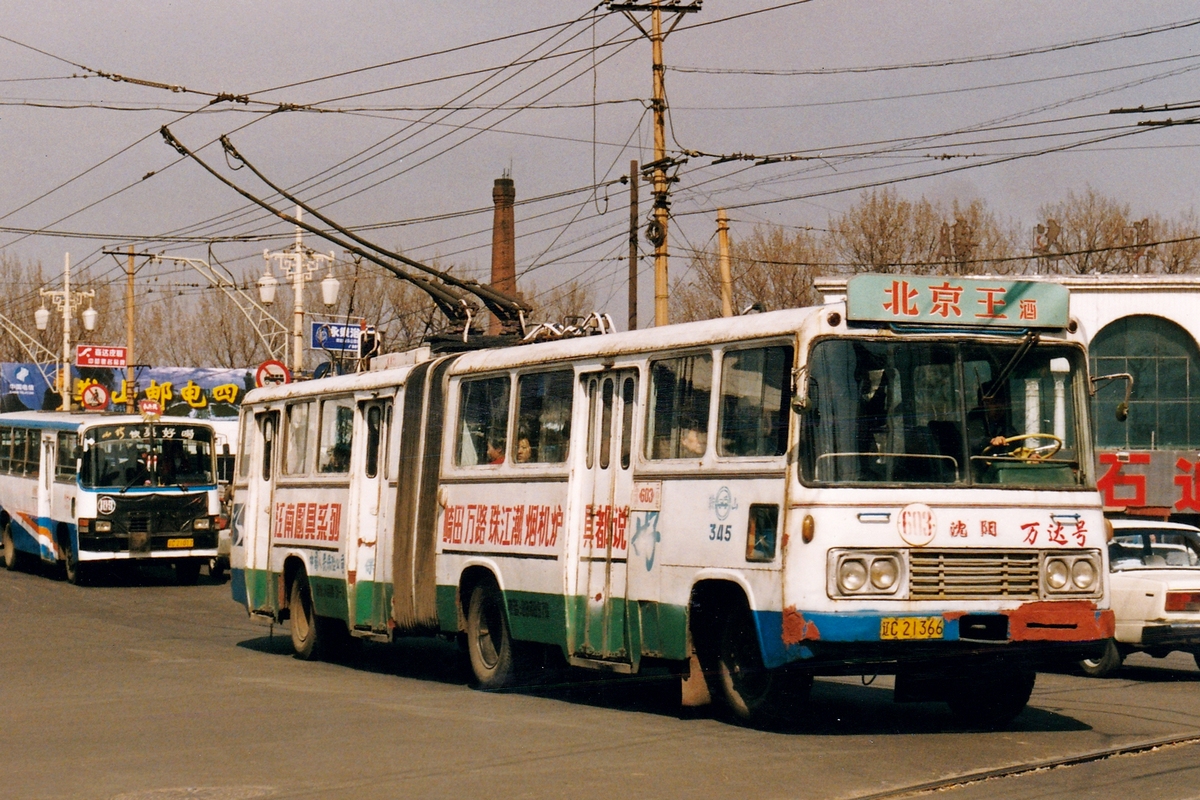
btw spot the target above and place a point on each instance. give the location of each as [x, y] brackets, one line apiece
[124, 456]
[941, 413]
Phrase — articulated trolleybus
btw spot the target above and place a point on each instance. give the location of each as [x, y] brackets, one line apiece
[898, 484]
[88, 490]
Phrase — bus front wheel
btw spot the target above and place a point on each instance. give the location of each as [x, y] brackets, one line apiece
[77, 573]
[489, 643]
[753, 693]
[13, 560]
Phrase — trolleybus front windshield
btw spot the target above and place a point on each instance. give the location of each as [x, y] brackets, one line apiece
[130, 456]
[962, 413]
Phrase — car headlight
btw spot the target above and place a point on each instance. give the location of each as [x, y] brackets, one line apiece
[1083, 574]
[884, 572]
[852, 575]
[1057, 573]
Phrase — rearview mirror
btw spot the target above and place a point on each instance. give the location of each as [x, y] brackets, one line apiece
[1122, 410]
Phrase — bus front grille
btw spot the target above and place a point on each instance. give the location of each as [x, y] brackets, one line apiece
[972, 574]
[139, 523]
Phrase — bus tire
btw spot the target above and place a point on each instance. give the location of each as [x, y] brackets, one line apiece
[217, 568]
[990, 700]
[187, 572]
[1107, 664]
[306, 634]
[489, 642]
[13, 560]
[77, 573]
[754, 694]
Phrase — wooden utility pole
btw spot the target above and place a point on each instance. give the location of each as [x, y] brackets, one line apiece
[633, 245]
[129, 333]
[657, 231]
[723, 263]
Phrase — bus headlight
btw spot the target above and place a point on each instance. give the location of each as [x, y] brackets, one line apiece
[852, 575]
[1072, 572]
[1083, 574]
[201, 523]
[102, 526]
[1056, 573]
[865, 573]
[884, 572]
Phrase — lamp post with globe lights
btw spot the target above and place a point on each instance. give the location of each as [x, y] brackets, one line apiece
[298, 263]
[68, 302]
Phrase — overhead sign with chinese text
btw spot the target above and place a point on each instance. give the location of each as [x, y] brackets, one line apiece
[90, 355]
[335, 336]
[961, 302]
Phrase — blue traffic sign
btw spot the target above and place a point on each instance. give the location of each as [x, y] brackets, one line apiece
[334, 336]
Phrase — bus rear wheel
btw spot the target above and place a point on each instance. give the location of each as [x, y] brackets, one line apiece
[754, 694]
[306, 633]
[489, 642]
[992, 699]
[13, 560]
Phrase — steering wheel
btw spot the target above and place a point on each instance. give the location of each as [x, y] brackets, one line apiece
[1022, 453]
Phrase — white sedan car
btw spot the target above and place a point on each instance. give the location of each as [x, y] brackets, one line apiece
[1155, 592]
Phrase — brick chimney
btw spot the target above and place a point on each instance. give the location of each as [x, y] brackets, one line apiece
[504, 253]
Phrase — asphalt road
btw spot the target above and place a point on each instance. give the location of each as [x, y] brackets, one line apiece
[140, 689]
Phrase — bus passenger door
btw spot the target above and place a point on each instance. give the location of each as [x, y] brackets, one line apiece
[366, 486]
[604, 539]
[260, 510]
[45, 486]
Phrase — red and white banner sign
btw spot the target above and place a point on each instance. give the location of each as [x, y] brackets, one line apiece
[90, 355]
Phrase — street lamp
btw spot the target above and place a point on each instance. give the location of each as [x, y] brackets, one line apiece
[299, 264]
[68, 302]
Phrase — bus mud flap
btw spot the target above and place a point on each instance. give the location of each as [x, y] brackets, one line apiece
[694, 688]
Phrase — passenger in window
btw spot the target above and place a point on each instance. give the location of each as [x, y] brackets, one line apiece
[524, 453]
[495, 451]
[692, 443]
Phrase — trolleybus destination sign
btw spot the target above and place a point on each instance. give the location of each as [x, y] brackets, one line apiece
[963, 302]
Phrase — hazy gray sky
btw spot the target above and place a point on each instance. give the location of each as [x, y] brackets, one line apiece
[408, 140]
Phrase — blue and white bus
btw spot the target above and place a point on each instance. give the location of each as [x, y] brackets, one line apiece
[85, 490]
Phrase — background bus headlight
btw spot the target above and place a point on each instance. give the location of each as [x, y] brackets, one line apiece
[1083, 574]
[1057, 573]
[852, 575]
[884, 571]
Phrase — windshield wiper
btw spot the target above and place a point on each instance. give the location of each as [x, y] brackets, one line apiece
[1031, 339]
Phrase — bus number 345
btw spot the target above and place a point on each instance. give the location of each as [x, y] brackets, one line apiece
[720, 533]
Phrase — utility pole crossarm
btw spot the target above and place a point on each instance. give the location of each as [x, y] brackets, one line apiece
[38, 353]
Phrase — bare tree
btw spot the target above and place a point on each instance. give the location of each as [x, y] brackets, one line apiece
[1090, 230]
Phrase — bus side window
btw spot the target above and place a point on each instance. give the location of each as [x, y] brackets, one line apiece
[245, 425]
[680, 392]
[295, 445]
[543, 417]
[64, 469]
[33, 452]
[755, 402]
[374, 434]
[337, 428]
[482, 422]
[268, 435]
[17, 463]
[5, 447]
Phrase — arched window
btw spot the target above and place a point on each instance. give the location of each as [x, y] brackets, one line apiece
[1164, 410]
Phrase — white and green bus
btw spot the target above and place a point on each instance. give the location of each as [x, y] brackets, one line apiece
[899, 484]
